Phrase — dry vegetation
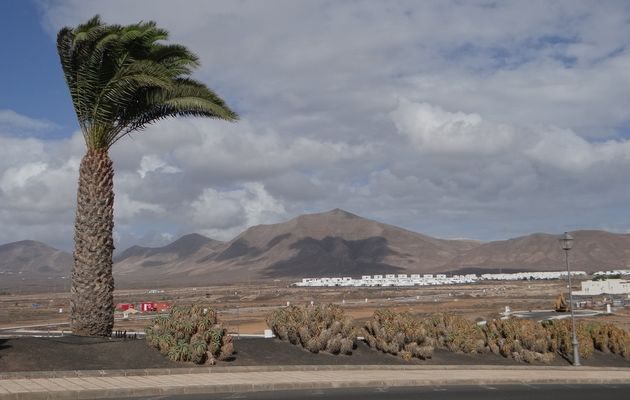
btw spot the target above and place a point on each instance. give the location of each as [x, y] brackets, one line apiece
[398, 334]
[523, 340]
[316, 328]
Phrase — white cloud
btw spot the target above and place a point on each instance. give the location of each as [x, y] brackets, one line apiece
[40, 183]
[434, 130]
[153, 163]
[215, 210]
[18, 177]
[126, 208]
[564, 149]
[512, 120]
[10, 121]
[223, 215]
[37, 190]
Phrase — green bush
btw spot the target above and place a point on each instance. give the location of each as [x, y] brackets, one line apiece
[190, 333]
[315, 328]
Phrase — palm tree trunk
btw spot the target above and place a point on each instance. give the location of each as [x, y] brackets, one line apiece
[92, 294]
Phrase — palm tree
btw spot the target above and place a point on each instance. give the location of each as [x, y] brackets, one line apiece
[121, 79]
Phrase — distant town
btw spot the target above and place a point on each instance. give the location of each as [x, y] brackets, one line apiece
[443, 279]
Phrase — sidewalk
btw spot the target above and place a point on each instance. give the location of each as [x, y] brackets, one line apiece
[121, 384]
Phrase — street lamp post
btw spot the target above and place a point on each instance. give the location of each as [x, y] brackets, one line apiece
[566, 241]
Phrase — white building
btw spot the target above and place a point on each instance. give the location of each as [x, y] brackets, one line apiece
[608, 286]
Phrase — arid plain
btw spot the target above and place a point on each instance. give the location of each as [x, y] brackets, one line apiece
[243, 307]
[267, 259]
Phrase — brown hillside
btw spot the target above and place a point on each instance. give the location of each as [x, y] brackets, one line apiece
[31, 257]
[592, 251]
[334, 243]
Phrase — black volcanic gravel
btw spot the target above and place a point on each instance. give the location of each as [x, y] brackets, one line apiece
[79, 353]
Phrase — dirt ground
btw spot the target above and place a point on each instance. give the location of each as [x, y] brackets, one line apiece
[75, 353]
[243, 307]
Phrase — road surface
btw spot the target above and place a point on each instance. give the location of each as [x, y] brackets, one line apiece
[512, 392]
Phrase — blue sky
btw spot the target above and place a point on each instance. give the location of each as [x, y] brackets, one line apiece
[477, 119]
[32, 80]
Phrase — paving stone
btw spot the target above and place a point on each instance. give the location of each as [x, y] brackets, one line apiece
[125, 386]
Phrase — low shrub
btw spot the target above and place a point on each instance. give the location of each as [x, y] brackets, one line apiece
[609, 338]
[398, 334]
[325, 328]
[455, 333]
[520, 339]
[316, 328]
[190, 333]
[591, 336]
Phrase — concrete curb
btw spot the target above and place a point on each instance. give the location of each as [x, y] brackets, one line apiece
[279, 368]
[121, 387]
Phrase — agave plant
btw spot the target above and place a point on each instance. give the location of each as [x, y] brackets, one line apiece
[190, 333]
[316, 328]
[180, 352]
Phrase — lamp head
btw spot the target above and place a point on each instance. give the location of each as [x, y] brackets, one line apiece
[566, 241]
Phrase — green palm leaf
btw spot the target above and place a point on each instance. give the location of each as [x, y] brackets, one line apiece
[123, 78]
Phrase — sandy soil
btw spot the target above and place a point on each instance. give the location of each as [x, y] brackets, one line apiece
[243, 308]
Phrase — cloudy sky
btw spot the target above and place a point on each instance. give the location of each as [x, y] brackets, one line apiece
[476, 119]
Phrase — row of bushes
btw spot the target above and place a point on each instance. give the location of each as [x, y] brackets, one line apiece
[523, 340]
[190, 333]
[193, 333]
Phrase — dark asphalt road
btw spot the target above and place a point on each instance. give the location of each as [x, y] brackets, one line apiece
[511, 392]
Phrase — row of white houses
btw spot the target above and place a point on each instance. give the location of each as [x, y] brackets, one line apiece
[389, 280]
[620, 272]
[521, 276]
[428, 279]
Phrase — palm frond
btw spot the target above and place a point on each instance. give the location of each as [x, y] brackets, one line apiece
[123, 78]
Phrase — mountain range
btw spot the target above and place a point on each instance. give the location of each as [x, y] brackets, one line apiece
[334, 243]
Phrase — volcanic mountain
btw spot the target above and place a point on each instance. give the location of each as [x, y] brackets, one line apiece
[31, 257]
[334, 243]
[338, 243]
[30, 266]
[592, 251]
